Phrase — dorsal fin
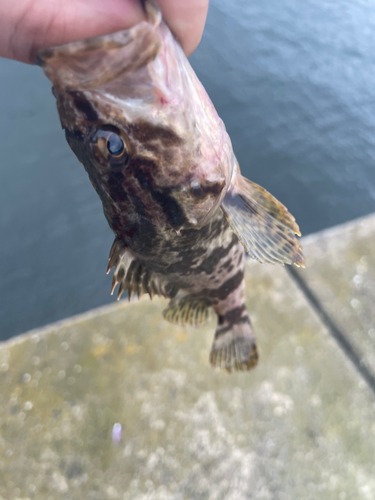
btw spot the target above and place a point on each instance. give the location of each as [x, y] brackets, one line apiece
[133, 276]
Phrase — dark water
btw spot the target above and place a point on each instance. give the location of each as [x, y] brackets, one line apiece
[294, 83]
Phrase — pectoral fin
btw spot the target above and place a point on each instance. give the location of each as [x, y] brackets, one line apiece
[263, 225]
[187, 309]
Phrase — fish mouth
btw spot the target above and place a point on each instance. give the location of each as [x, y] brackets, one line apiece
[97, 61]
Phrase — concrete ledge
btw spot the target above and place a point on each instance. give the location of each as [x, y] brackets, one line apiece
[341, 272]
[299, 426]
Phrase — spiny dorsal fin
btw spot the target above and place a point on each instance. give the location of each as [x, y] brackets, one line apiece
[187, 309]
[263, 225]
[133, 276]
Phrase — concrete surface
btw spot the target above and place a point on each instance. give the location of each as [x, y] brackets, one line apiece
[300, 426]
[340, 271]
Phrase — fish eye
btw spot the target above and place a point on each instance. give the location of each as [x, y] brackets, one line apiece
[115, 145]
[110, 146]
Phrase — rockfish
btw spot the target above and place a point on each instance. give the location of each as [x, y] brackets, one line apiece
[162, 163]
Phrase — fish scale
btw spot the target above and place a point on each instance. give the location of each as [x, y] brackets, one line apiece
[160, 159]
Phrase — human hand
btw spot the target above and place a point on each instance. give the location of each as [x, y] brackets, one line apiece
[29, 25]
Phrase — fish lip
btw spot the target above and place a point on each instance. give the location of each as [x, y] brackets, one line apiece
[68, 62]
[42, 55]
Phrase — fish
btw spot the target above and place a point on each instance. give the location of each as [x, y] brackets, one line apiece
[158, 155]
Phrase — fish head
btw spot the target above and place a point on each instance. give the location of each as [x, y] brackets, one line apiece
[137, 117]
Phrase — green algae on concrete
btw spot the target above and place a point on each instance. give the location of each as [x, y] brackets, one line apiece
[299, 426]
[340, 270]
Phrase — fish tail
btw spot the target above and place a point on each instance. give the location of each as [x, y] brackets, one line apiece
[234, 347]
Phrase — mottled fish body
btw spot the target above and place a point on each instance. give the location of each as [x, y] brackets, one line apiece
[159, 157]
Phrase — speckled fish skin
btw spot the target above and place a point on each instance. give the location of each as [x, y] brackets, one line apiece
[161, 161]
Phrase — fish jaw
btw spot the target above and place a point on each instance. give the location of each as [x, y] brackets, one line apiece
[95, 62]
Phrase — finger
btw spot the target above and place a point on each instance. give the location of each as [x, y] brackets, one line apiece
[35, 24]
[186, 20]
[29, 25]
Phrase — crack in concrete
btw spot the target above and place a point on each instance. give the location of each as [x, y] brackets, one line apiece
[339, 335]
